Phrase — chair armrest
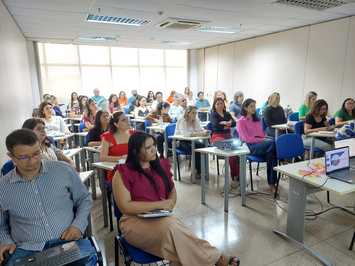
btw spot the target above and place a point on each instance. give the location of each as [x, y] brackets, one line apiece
[97, 248]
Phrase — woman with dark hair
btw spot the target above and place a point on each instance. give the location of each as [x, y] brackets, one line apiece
[102, 121]
[114, 143]
[142, 109]
[221, 123]
[251, 132]
[150, 97]
[48, 150]
[346, 113]
[74, 105]
[315, 121]
[82, 103]
[54, 124]
[144, 183]
[158, 99]
[56, 108]
[160, 115]
[113, 104]
[89, 114]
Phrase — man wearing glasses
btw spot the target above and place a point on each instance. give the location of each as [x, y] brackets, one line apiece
[37, 202]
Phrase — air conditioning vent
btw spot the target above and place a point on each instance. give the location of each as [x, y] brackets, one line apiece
[313, 4]
[117, 20]
[180, 24]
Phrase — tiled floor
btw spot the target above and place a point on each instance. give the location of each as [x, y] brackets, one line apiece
[247, 232]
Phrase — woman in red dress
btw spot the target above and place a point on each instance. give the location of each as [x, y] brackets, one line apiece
[114, 143]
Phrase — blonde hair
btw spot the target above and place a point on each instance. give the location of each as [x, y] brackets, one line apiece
[309, 96]
[188, 110]
[272, 98]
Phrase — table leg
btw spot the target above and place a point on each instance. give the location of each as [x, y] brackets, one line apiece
[207, 163]
[312, 148]
[297, 197]
[242, 178]
[174, 158]
[82, 159]
[193, 168]
[93, 177]
[226, 183]
[101, 174]
[77, 162]
[166, 145]
[203, 178]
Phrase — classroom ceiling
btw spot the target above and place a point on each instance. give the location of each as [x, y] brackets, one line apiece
[64, 21]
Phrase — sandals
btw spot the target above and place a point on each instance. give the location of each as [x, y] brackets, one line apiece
[234, 261]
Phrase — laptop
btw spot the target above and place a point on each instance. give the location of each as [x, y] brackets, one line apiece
[347, 142]
[65, 254]
[337, 165]
[228, 144]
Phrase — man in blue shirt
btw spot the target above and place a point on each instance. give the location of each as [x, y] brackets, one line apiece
[132, 99]
[42, 203]
[201, 102]
[99, 100]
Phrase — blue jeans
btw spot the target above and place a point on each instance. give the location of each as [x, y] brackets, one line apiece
[84, 245]
[266, 149]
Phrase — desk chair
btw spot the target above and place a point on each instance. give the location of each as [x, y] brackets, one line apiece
[147, 123]
[352, 242]
[130, 253]
[288, 146]
[170, 131]
[294, 117]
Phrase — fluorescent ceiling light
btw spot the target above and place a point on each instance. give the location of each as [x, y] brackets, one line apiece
[97, 38]
[216, 29]
[117, 20]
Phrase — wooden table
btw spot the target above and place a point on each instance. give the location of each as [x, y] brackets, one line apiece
[299, 187]
[193, 140]
[226, 154]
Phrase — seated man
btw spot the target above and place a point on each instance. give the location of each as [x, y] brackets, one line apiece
[37, 199]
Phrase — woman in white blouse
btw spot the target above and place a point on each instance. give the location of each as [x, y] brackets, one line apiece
[190, 125]
[54, 124]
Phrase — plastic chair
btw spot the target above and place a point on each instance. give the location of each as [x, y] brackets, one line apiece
[147, 123]
[331, 121]
[254, 159]
[130, 253]
[7, 167]
[352, 242]
[81, 126]
[294, 117]
[170, 131]
[288, 146]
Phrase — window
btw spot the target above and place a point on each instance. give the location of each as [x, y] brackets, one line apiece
[81, 68]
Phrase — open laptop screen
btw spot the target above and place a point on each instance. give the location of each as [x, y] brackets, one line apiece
[337, 159]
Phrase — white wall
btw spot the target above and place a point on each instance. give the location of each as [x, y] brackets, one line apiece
[15, 81]
[319, 57]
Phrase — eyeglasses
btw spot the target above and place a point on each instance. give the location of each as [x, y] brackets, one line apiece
[35, 155]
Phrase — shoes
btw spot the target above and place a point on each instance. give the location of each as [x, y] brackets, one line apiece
[234, 184]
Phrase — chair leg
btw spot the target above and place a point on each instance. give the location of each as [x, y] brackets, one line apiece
[352, 242]
[178, 165]
[257, 169]
[109, 203]
[328, 197]
[251, 177]
[217, 165]
[117, 256]
[277, 185]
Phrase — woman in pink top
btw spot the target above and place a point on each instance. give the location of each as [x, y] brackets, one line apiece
[145, 184]
[250, 131]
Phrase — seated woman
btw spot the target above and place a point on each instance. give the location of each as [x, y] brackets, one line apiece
[346, 113]
[161, 115]
[221, 122]
[158, 99]
[54, 124]
[122, 99]
[170, 99]
[315, 121]
[306, 107]
[82, 103]
[102, 120]
[113, 104]
[74, 105]
[142, 110]
[89, 114]
[236, 106]
[150, 97]
[189, 125]
[56, 108]
[144, 183]
[114, 143]
[48, 150]
[274, 114]
[250, 131]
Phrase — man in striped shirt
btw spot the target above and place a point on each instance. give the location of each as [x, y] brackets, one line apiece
[42, 203]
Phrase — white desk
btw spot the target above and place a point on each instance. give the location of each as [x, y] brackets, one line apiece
[299, 187]
[284, 127]
[73, 153]
[241, 153]
[161, 129]
[81, 136]
[324, 134]
[101, 167]
[193, 140]
[58, 138]
[90, 157]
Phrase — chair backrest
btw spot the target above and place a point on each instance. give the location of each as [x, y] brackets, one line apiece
[299, 128]
[289, 146]
[258, 112]
[126, 109]
[147, 123]
[331, 121]
[81, 126]
[263, 124]
[209, 126]
[170, 131]
[294, 117]
[7, 167]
